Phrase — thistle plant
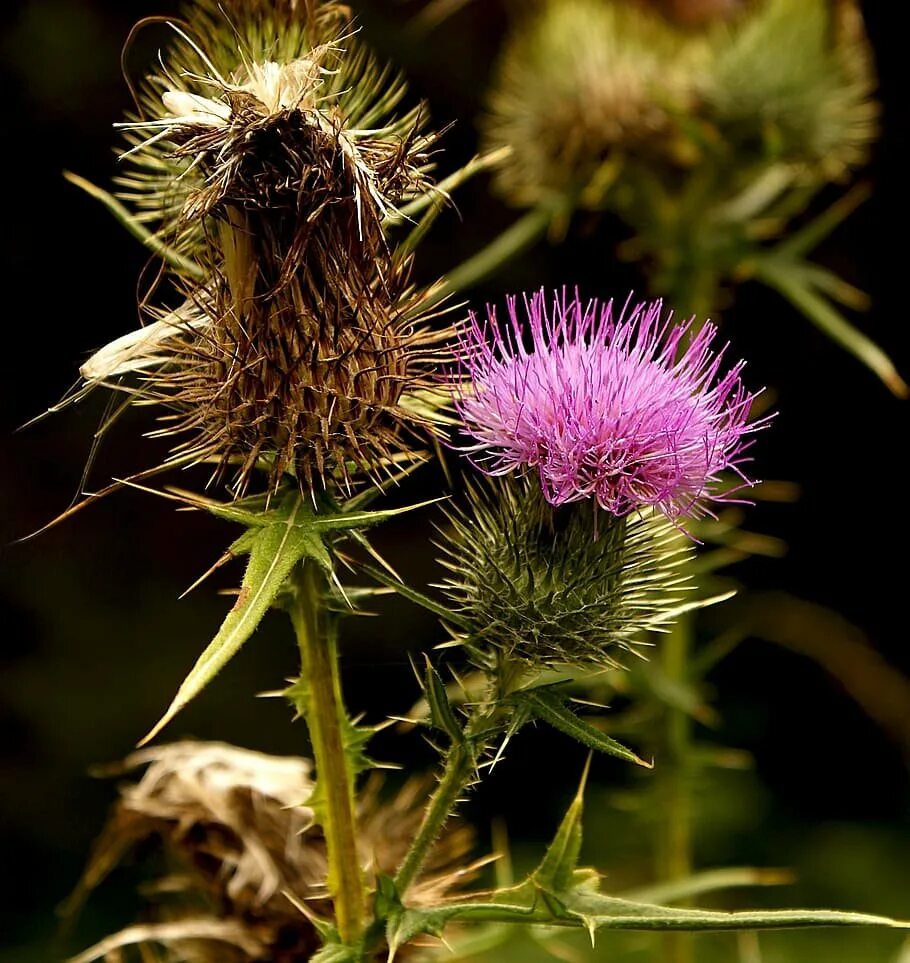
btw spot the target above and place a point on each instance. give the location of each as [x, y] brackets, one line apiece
[271, 171]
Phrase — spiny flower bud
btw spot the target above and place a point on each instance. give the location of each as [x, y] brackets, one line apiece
[245, 855]
[269, 153]
[583, 85]
[601, 96]
[567, 585]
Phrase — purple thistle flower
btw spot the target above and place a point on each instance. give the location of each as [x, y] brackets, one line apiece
[631, 411]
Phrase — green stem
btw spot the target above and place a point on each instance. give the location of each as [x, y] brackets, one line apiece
[459, 769]
[316, 637]
[456, 775]
[674, 853]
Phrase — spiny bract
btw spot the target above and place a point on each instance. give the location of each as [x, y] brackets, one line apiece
[558, 585]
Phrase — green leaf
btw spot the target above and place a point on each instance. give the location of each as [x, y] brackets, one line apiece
[138, 230]
[801, 242]
[595, 909]
[441, 714]
[557, 868]
[786, 279]
[404, 926]
[337, 953]
[386, 900]
[549, 706]
[350, 520]
[709, 881]
[274, 551]
[583, 908]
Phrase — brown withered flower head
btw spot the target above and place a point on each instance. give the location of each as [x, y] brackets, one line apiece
[267, 156]
[244, 855]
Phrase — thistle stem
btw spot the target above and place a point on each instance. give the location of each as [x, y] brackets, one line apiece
[674, 855]
[456, 776]
[316, 632]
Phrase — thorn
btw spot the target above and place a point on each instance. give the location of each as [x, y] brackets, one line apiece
[210, 571]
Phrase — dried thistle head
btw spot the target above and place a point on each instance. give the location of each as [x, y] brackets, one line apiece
[269, 153]
[244, 854]
[317, 386]
[582, 86]
[558, 585]
[256, 103]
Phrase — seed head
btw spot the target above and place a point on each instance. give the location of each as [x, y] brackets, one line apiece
[268, 152]
[631, 411]
[245, 855]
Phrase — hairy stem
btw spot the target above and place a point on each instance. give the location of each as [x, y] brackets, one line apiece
[316, 638]
[456, 775]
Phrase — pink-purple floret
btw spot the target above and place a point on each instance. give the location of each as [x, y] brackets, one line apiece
[632, 411]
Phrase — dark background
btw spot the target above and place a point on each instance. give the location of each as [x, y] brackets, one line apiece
[94, 640]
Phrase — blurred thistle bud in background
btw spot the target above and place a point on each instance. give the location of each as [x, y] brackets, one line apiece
[588, 89]
[246, 864]
[618, 430]
[794, 82]
[581, 85]
[267, 154]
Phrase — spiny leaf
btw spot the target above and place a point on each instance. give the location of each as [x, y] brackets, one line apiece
[441, 714]
[252, 511]
[782, 277]
[385, 578]
[337, 953]
[615, 913]
[583, 908]
[348, 520]
[274, 551]
[548, 706]
[558, 865]
[386, 900]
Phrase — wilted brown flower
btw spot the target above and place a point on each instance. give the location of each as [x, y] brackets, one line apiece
[267, 154]
[247, 861]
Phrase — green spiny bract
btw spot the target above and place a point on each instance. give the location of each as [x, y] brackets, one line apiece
[268, 152]
[570, 585]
